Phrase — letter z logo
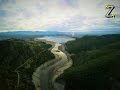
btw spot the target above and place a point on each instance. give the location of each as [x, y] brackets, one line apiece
[109, 13]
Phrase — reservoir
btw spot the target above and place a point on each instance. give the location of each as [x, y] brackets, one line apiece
[58, 39]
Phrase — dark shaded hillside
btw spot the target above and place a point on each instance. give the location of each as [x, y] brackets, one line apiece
[87, 43]
[96, 63]
[23, 57]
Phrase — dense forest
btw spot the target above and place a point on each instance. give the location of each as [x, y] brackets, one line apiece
[96, 63]
[21, 57]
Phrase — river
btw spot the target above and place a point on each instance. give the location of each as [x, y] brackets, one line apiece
[45, 75]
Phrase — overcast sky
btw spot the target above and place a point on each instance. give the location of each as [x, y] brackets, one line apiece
[57, 15]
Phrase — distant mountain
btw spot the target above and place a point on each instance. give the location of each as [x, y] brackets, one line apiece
[32, 34]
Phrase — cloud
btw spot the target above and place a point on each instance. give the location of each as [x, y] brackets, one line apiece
[70, 15]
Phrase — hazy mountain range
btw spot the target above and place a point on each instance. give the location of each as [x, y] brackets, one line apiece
[27, 34]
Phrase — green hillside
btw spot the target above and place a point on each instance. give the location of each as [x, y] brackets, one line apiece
[96, 63]
[24, 57]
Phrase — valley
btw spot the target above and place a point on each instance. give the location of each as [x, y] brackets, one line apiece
[89, 62]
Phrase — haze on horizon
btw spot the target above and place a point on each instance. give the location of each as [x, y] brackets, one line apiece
[57, 15]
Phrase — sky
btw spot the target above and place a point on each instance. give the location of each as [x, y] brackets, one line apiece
[58, 15]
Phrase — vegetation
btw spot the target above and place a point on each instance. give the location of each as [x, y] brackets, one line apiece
[23, 57]
[96, 63]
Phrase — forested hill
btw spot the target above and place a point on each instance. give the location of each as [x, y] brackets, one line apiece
[24, 57]
[96, 63]
[87, 43]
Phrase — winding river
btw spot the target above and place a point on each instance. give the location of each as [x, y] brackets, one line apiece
[45, 75]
